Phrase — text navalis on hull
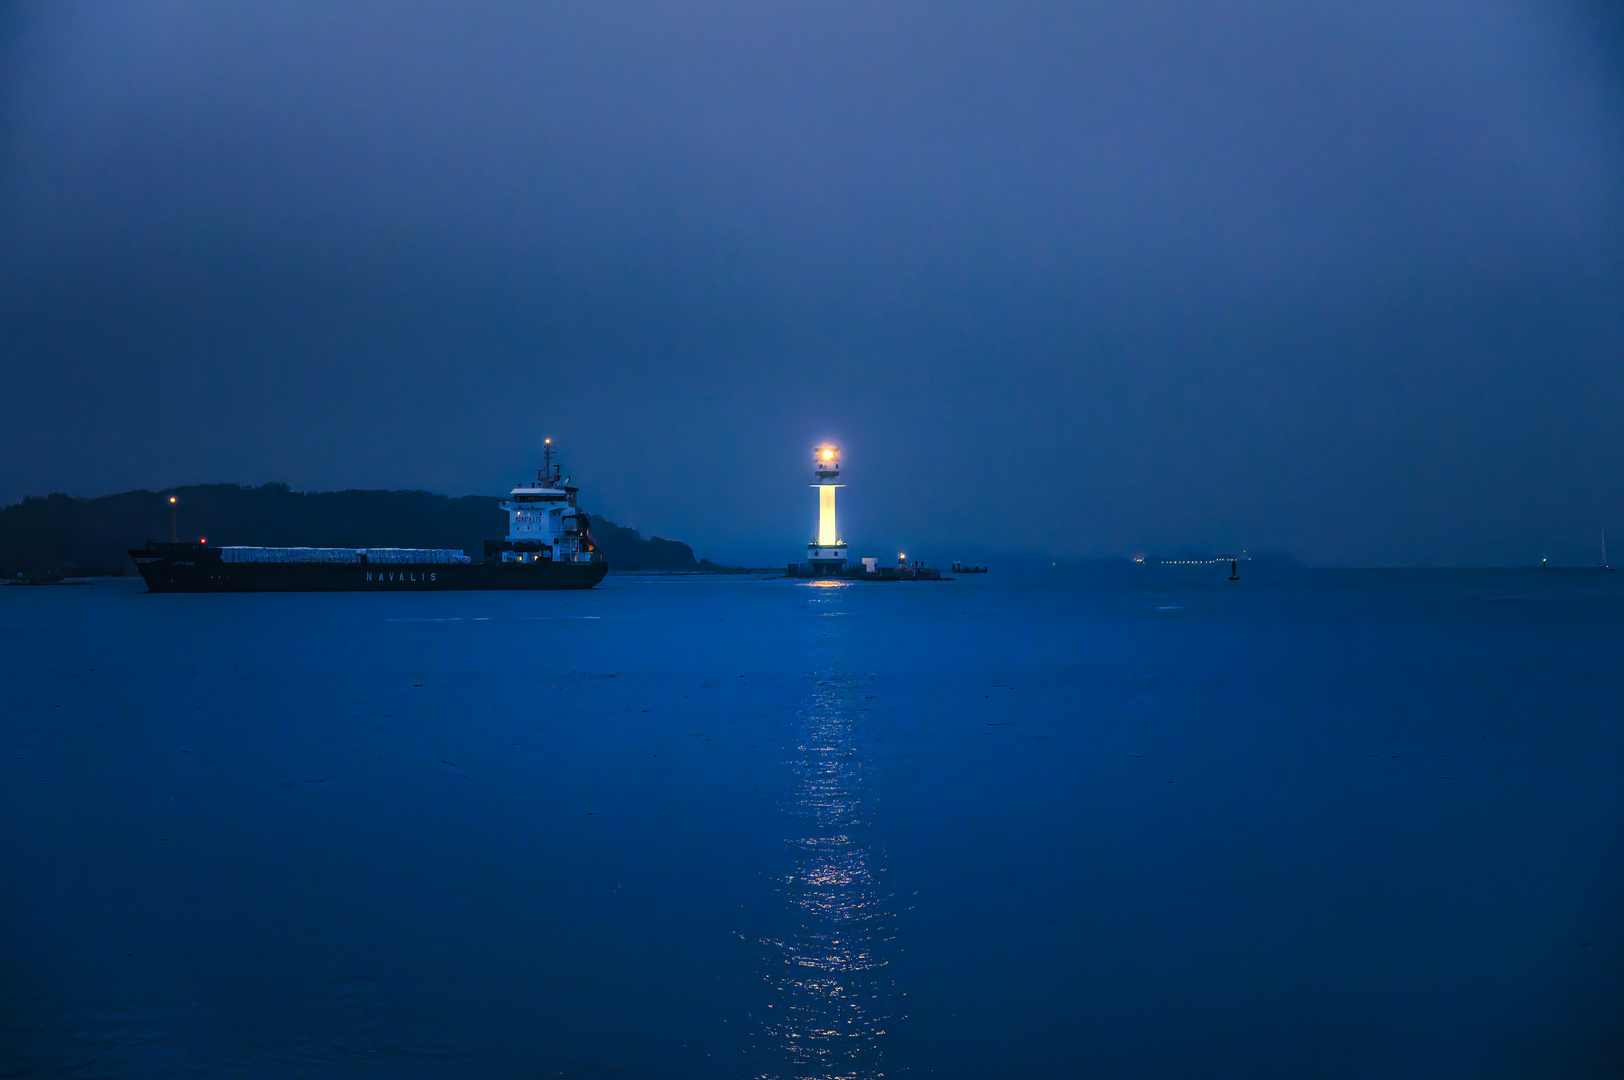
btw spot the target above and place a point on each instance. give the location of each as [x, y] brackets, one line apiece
[547, 547]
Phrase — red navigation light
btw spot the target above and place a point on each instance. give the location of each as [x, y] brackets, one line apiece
[202, 539]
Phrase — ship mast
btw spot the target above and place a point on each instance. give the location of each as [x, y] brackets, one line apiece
[549, 474]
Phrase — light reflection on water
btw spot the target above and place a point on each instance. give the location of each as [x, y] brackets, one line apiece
[826, 980]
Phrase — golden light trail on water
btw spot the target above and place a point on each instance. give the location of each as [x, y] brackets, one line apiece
[828, 995]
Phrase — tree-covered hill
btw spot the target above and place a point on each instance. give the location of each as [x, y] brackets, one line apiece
[64, 535]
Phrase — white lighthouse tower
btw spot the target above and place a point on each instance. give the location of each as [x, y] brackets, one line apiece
[826, 554]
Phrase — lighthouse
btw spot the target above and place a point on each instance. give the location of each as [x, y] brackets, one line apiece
[826, 554]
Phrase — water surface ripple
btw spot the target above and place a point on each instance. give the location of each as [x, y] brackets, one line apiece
[828, 1000]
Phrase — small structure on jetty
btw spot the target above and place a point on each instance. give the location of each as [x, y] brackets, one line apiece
[827, 556]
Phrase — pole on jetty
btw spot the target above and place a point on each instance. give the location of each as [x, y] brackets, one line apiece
[174, 531]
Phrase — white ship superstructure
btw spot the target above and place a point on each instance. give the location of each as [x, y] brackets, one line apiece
[544, 524]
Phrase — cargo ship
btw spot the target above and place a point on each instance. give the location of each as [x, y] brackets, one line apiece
[548, 546]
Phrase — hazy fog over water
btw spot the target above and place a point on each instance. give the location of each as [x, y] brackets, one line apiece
[1077, 279]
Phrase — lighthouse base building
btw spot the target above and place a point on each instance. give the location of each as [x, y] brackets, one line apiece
[826, 561]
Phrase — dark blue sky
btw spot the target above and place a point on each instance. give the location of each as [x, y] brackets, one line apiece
[1344, 280]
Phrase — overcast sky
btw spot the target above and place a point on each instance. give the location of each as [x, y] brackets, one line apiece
[1342, 280]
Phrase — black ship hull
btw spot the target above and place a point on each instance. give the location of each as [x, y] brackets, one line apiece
[204, 575]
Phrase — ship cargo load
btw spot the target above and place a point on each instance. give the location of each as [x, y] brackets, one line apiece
[240, 554]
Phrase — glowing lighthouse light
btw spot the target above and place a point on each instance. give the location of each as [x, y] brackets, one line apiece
[826, 554]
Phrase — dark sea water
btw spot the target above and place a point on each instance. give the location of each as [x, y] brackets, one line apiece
[1334, 824]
